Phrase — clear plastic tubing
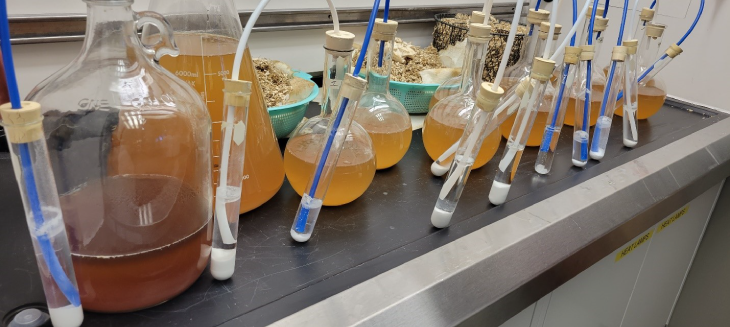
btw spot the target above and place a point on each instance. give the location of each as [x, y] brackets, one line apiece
[32, 166]
[556, 116]
[608, 106]
[237, 95]
[631, 101]
[534, 91]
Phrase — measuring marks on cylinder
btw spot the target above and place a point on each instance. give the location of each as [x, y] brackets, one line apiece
[648, 235]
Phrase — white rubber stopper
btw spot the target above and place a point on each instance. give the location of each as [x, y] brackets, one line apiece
[440, 218]
[629, 143]
[579, 163]
[299, 237]
[222, 263]
[438, 170]
[68, 316]
[498, 193]
[598, 155]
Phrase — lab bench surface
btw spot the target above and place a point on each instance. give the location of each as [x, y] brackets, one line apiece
[387, 227]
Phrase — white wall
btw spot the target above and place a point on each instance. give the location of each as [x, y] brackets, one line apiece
[692, 76]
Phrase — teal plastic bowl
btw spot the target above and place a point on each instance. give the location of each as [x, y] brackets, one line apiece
[286, 118]
[415, 97]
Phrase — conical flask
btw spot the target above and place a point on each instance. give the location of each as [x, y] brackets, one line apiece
[130, 149]
[207, 33]
[378, 112]
[355, 168]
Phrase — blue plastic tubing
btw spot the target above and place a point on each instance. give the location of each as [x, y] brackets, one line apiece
[684, 37]
[537, 7]
[304, 213]
[49, 255]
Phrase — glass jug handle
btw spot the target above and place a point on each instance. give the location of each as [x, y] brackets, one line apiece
[166, 44]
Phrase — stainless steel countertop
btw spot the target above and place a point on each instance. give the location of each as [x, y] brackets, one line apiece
[504, 267]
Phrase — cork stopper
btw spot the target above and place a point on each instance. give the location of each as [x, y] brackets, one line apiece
[542, 69]
[22, 125]
[487, 99]
[588, 52]
[536, 17]
[632, 46]
[353, 87]
[341, 41]
[599, 12]
[619, 53]
[647, 14]
[236, 93]
[545, 30]
[655, 30]
[572, 55]
[524, 86]
[600, 25]
[673, 51]
[477, 17]
[384, 31]
[479, 32]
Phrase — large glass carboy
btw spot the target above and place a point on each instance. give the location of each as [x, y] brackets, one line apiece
[129, 144]
[378, 112]
[207, 33]
[356, 165]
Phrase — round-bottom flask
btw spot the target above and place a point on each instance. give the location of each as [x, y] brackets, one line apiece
[355, 167]
[538, 127]
[651, 99]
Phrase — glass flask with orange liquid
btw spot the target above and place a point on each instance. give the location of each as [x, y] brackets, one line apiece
[356, 165]
[652, 93]
[577, 98]
[538, 126]
[378, 112]
[207, 33]
[445, 122]
[130, 149]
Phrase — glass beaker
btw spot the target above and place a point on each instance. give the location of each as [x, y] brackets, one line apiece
[652, 93]
[130, 149]
[378, 112]
[207, 33]
[356, 165]
[445, 122]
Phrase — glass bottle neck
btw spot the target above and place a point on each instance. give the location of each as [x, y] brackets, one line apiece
[379, 67]
[336, 66]
[648, 49]
[529, 53]
[473, 66]
[110, 30]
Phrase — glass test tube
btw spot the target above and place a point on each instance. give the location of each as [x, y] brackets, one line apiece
[327, 156]
[470, 143]
[584, 99]
[29, 154]
[673, 51]
[631, 96]
[608, 106]
[534, 91]
[556, 116]
[236, 97]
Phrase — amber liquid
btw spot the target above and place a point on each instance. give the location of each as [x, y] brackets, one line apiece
[391, 135]
[203, 62]
[441, 130]
[651, 100]
[596, 99]
[536, 133]
[354, 172]
[136, 241]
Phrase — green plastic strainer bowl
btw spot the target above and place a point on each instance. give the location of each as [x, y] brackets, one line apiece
[415, 97]
[286, 118]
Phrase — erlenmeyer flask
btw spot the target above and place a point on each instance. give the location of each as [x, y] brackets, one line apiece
[653, 93]
[207, 32]
[130, 148]
[598, 76]
[445, 122]
[382, 115]
[356, 166]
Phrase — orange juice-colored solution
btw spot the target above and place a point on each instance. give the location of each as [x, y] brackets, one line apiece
[204, 61]
[538, 128]
[651, 100]
[391, 135]
[441, 130]
[354, 172]
[596, 99]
